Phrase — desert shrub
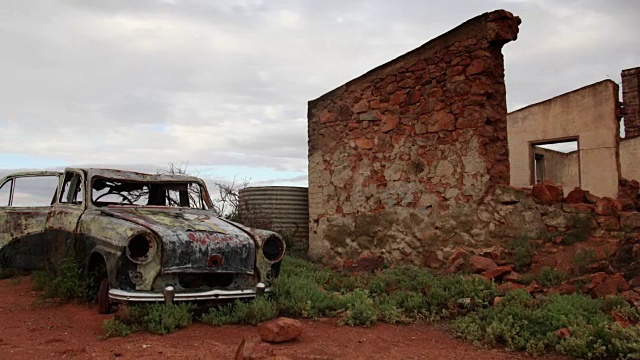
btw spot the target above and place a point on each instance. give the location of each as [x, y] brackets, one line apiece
[161, 318]
[407, 277]
[550, 277]
[114, 328]
[66, 282]
[252, 312]
[522, 250]
[360, 309]
[602, 341]
[521, 322]
[299, 291]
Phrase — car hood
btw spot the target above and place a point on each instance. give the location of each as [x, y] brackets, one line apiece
[192, 239]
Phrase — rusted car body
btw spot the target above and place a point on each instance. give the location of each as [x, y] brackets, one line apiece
[150, 237]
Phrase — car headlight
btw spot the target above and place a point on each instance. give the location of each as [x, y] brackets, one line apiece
[141, 248]
[273, 248]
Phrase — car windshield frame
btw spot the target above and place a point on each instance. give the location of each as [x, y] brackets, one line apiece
[151, 190]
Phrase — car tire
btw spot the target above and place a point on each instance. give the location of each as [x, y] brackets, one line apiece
[104, 304]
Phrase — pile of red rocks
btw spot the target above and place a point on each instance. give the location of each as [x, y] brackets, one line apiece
[598, 284]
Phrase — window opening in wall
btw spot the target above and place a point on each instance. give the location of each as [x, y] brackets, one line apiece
[539, 161]
[558, 162]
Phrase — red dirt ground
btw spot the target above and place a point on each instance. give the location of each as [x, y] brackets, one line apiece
[32, 329]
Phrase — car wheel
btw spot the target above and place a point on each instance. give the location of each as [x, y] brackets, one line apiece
[104, 304]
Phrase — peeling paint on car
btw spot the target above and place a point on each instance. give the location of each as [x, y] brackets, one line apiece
[143, 247]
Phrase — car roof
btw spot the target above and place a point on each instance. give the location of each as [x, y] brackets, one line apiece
[134, 176]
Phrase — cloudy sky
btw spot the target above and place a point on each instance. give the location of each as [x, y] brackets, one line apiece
[223, 85]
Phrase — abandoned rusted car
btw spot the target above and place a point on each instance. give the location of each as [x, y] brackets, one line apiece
[147, 237]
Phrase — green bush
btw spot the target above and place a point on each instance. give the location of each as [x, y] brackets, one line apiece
[522, 250]
[161, 318]
[360, 309]
[521, 322]
[67, 282]
[550, 277]
[115, 328]
[299, 291]
[252, 312]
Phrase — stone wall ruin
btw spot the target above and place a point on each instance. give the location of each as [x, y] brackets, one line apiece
[402, 158]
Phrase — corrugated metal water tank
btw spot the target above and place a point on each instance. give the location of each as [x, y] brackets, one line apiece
[285, 207]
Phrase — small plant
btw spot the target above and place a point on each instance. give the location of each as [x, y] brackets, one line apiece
[550, 277]
[161, 318]
[252, 312]
[583, 258]
[360, 310]
[522, 250]
[298, 291]
[114, 328]
[67, 282]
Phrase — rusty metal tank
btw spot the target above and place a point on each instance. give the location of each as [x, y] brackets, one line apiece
[284, 209]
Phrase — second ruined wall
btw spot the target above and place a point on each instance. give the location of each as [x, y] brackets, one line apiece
[400, 158]
[588, 115]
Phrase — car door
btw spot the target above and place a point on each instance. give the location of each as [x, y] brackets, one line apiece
[62, 222]
[25, 202]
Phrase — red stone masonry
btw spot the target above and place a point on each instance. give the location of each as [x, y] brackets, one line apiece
[426, 130]
[631, 100]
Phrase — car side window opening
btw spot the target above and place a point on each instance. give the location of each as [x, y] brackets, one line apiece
[33, 191]
[72, 189]
[5, 193]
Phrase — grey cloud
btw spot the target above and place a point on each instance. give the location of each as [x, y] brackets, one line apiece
[226, 82]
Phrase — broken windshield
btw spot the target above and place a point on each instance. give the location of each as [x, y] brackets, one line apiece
[105, 192]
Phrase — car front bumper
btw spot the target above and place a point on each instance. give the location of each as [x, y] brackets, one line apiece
[117, 295]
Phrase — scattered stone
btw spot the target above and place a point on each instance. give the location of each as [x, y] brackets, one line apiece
[627, 204]
[547, 192]
[563, 333]
[509, 286]
[456, 266]
[280, 330]
[601, 266]
[621, 320]
[534, 287]
[635, 282]
[576, 196]
[611, 286]
[590, 281]
[630, 221]
[369, 263]
[498, 272]
[480, 264]
[512, 277]
[497, 299]
[458, 253]
[564, 289]
[607, 206]
[591, 199]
